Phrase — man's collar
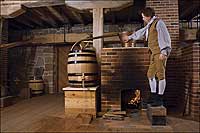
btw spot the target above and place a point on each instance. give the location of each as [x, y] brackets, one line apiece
[152, 19]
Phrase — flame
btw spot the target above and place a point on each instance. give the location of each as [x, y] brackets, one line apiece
[136, 99]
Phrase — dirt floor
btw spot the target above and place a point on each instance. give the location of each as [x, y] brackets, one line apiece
[138, 122]
[46, 114]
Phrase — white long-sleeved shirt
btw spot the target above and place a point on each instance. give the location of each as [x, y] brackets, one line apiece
[164, 39]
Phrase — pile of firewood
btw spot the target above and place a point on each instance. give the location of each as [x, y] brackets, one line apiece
[114, 115]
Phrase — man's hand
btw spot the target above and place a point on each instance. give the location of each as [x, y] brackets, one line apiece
[162, 57]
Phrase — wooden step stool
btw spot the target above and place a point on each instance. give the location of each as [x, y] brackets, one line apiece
[157, 115]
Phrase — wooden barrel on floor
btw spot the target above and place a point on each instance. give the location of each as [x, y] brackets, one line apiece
[36, 86]
[82, 68]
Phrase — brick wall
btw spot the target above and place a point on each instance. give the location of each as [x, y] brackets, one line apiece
[189, 81]
[195, 96]
[122, 68]
[183, 64]
[167, 10]
[185, 74]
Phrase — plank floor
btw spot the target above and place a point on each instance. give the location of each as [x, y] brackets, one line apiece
[46, 114]
[24, 115]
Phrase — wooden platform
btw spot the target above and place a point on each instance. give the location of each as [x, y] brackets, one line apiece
[157, 115]
[80, 100]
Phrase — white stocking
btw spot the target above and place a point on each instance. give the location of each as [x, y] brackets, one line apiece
[152, 83]
[162, 85]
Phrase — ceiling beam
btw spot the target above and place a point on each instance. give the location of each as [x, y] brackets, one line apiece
[38, 15]
[66, 14]
[17, 13]
[62, 12]
[31, 17]
[87, 16]
[97, 4]
[27, 18]
[188, 12]
[76, 14]
[43, 12]
[15, 27]
[23, 23]
[14, 44]
[20, 24]
[48, 15]
[55, 13]
[121, 7]
[43, 4]
[45, 17]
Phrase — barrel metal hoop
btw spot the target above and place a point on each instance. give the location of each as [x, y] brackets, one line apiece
[80, 74]
[77, 62]
[75, 81]
[75, 55]
[84, 50]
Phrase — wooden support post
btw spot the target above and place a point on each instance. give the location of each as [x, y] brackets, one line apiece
[98, 30]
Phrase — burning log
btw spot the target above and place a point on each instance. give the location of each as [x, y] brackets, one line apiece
[136, 99]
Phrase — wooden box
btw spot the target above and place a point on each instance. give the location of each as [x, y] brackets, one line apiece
[157, 115]
[80, 100]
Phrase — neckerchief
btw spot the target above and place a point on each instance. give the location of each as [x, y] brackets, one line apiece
[148, 25]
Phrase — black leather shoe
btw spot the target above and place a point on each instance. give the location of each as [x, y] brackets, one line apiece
[151, 98]
[158, 101]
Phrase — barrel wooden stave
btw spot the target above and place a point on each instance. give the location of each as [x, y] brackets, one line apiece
[82, 65]
[36, 86]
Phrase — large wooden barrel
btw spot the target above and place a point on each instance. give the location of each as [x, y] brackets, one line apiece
[82, 68]
[36, 86]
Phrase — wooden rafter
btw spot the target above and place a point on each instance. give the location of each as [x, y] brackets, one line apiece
[63, 14]
[189, 11]
[32, 18]
[87, 15]
[16, 27]
[76, 14]
[17, 13]
[55, 13]
[43, 4]
[66, 13]
[49, 16]
[45, 17]
[38, 16]
[23, 23]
